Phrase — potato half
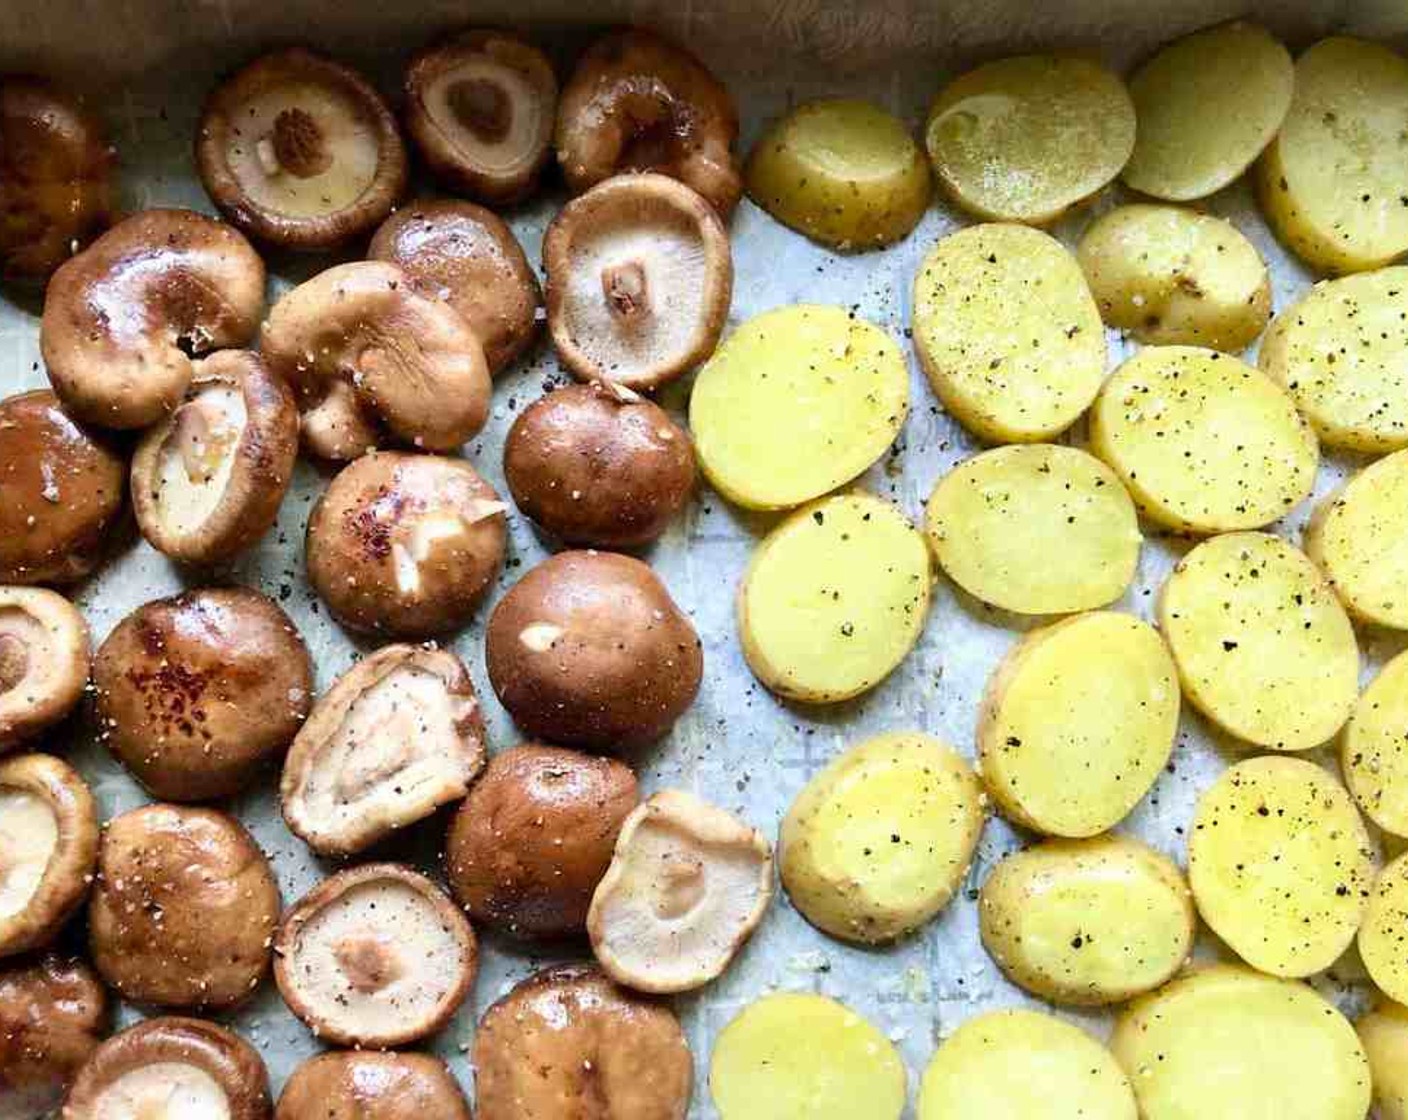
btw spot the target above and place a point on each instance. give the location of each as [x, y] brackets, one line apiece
[1384, 1035]
[1374, 749]
[1359, 537]
[1008, 332]
[1381, 937]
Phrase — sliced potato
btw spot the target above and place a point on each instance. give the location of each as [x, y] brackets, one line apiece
[1087, 921]
[1374, 749]
[1383, 935]
[1078, 721]
[834, 598]
[878, 842]
[795, 403]
[1204, 442]
[1333, 181]
[1225, 1043]
[1262, 645]
[843, 172]
[1008, 332]
[1023, 139]
[1172, 276]
[798, 1056]
[1384, 1035]
[1016, 1065]
[1359, 537]
[1207, 106]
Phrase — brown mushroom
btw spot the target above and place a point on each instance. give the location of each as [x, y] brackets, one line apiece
[530, 843]
[61, 491]
[397, 736]
[53, 1014]
[44, 653]
[197, 694]
[55, 177]
[300, 151]
[208, 480]
[637, 102]
[124, 318]
[568, 1042]
[599, 466]
[351, 1085]
[184, 910]
[480, 108]
[370, 359]
[171, 1068]
[468, 257]
[588, 649]
[376, 956]
[640, 276]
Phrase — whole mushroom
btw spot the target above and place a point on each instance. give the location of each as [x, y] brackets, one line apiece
[53, 1014]
[44, 654]
[356, 1085]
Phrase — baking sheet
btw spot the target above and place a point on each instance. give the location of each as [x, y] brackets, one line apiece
[738, 746]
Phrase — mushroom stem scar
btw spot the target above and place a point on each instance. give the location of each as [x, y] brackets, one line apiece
[14, 661]
[483, 107]
[296, 145]
[626, 290]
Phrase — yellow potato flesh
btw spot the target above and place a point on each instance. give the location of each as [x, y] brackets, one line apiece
[1384, 1035]
[1374, 751]
[1359, 537]
[795, 403]
[1384, 933]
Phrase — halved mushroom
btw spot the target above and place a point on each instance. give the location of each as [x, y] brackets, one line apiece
[44, 654]
[124, 318]
[640, 276]
[406, 544]
[48, 848]
[686, 888]
[352, 1085]
[197, 694]
[171, 1068]
[637, 102]
[300, 151]
[376, 956]
[469, 258]
[53, 1014]
[480, 108]
[184, 910]
[55, 177]
[371, 359]
[397, 736]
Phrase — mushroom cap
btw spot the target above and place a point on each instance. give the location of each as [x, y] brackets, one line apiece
[300, 151]
[639, 280]
[599, 466]
[687, 886]
[588, 649]
[370, 359]
[567, 1041]
[398, 735]
[406, 545]
[171, 1066]
[44, 654]
[637, 102]
[61, 490]
[55, 177]
[352, 1085]
[481, 108]
[196, 694]
[53, 1014]
[122, 318]
[468, 257]
[207, 481]
[376, 956]
[530, 843]
[48, 848]
[184, 908]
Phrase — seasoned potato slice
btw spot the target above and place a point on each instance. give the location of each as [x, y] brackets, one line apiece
[1077, 722]
[843, 172]
[1207, 106]
[1204, 442]
[1374, 749]
[1008, 332]
[1384, 932]
[1262, 645]
[1035, 529]
[1176, 277]
[834, 598]
[1332, 182]
[798, 1056]
[1225, 1043]
[1280, 864]
[1087, 921]
[1015, 1065]
[1359, 537]
[1342, 354]
[877, 843]
[1384, 1035]
[796, 402]
[1022, 139]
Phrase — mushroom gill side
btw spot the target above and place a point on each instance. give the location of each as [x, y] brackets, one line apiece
[44, 658]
